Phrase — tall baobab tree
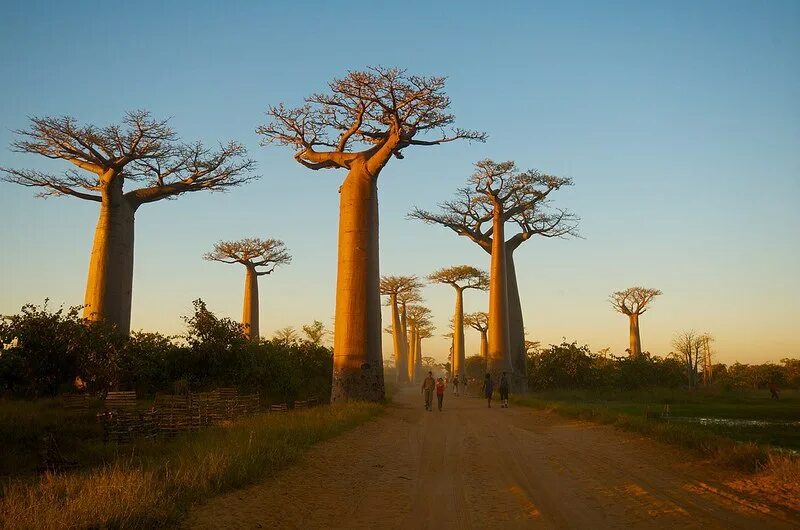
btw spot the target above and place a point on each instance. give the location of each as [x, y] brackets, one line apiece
[418, 321]
[140, 149]
[632, 302]
[398, 288]
[460, 278]
[365, 119]
[424, 331]
[689, 346]
[498, 193]
[479, 322]
[259, 257]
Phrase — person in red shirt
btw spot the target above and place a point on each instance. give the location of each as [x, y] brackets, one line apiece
[440, 386]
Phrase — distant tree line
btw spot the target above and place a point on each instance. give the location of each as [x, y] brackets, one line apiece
[571, 366]
[56, 350]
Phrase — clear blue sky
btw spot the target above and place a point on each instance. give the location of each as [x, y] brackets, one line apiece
[678, 121]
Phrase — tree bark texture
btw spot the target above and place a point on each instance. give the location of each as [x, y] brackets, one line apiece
[636, 341]
[109, 286]
[250, 305]
[357, 358]
[499, 351]
[516, 327]
[459, 357]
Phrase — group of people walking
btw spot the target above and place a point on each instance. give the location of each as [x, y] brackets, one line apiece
[431, 385]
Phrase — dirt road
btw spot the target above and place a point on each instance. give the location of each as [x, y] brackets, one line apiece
[473, 467]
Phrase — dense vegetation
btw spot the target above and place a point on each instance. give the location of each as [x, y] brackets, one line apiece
[57, 350]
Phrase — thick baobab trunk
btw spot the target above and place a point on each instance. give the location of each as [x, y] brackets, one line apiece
[636, 341]
[499, 353]
[250, 306]
[109, 286]
[516, 326]
[484, 346]
[459, 357]
[400, 357]
[357, 358]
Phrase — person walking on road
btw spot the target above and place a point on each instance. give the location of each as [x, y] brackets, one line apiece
[503, 387]
[440, 386]
[455, 385]
[427, 389]
[488, 388]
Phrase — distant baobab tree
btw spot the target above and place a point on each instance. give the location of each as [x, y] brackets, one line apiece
[690, 348]
[419, 325]
[460, 278]
[396, 287]
[498, 193]
[633, 302]
[479, 322]
[140, 149]
[259, 257]
[364, 120]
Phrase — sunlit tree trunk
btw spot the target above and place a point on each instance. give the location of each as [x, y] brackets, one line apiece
[250, 306]
[516, 326]
[459, 357]
[418, 355]
[484, 346]
[109, 286]
[412, 354]
[357, 360]
[499, 355]
[400, 357]
[404, 345]
[636, 341]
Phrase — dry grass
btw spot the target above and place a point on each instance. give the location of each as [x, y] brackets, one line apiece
[156, 488]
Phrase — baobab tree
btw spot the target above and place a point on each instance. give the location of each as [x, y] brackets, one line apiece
[632, 302]
[398, 288]
[460, 278]
[259, 257]
[364, 120]
[140, 149]
[419, 323]
[498, 193]
[479, 322]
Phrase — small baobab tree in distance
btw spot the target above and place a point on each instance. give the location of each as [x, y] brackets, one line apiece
[479, 321]
[499, 193]
[398, 288]
[460, 278]
[138, 150]
[365, 119]
[259, 257]
[632, 302]
[418, 322]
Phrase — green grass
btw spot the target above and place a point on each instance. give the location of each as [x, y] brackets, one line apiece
[152, 483]
[743, 447]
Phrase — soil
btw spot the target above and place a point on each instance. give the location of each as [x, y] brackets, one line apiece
[470, 466]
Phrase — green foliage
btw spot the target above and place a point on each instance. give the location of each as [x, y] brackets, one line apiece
[475, 367]
[53, 348]
[569, 365]
[56, 346]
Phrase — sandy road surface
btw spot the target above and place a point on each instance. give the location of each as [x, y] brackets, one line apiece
[473, 467]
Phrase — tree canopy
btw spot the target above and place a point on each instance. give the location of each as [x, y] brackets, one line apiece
[379, 111]
[633, 300]
[461, 277]
[139, 149]
[251, 252]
